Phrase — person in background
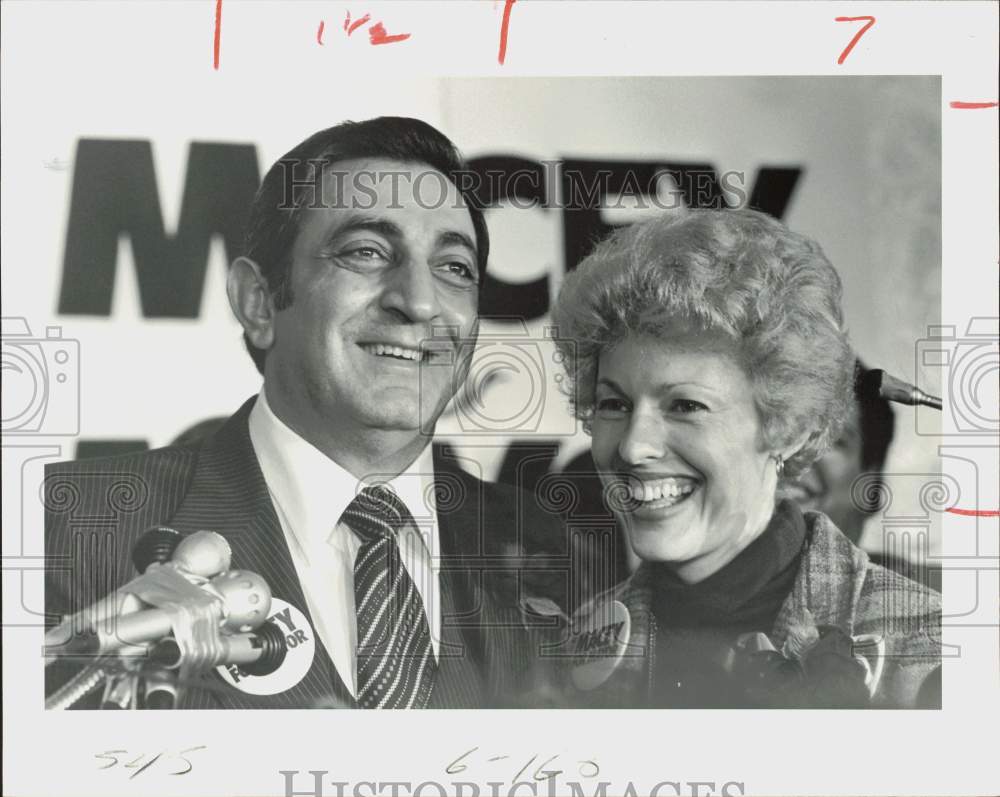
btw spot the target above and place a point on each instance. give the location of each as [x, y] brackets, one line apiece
[845, 484]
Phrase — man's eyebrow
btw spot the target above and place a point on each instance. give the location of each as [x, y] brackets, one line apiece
[383, 227]
[456, 238]
[611, 383]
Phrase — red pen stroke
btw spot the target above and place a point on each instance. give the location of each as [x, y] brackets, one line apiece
[504, 27]
[218, 33]
[857, 36]
[974, 512]
[350, 27]
[377, 35]
[319, 33]
[973, 105]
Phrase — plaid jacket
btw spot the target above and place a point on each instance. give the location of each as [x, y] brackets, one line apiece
[839, 586]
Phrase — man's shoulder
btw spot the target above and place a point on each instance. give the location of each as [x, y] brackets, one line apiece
[123, 478]
[158, 460]
[144, 487]
[155, 469]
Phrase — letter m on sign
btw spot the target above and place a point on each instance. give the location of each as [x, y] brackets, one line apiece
[115, 194]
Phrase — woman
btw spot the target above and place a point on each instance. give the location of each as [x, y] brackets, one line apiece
[710, 365]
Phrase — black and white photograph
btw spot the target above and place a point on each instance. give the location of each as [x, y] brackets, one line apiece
[495, 357]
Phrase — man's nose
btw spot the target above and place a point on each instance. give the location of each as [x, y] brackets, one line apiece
[644, 440]
[411, 292]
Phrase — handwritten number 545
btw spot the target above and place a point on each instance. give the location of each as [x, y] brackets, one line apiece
[182, 766]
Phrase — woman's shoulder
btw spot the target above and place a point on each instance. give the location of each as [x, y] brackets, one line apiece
[884, 602]
[826, 541]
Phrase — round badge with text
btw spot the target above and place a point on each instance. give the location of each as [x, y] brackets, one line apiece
[300, 640]
[599, 645]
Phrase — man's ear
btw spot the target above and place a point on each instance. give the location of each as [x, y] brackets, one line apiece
[251, 302]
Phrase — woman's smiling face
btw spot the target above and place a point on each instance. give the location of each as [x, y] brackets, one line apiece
[675, 426]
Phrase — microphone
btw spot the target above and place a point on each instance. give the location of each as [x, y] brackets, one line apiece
[258, 653]
[159, 688]
[203, 553]
[878, 384]
[197, 557]
[246, 601]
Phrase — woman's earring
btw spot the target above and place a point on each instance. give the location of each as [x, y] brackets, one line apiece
[779, 465]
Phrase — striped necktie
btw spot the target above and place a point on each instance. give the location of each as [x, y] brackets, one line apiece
[395, 660]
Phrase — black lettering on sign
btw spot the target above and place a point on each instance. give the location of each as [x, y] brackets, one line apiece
[115, 193]
[507, 178]
[300, 635]
[89, 449]
[235, 672]
[586, 184]
[773, 189]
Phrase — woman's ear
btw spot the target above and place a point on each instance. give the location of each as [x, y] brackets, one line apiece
[251, 302]
[791, 449]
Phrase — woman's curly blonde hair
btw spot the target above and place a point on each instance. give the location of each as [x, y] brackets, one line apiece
[741, 272]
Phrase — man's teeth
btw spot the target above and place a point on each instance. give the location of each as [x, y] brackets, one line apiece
[381, 350]
[658, 490]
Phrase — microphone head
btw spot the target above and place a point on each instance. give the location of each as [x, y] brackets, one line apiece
[273, 647]
[204, 553]
[156, 546]
[247, 598]
[868, 385]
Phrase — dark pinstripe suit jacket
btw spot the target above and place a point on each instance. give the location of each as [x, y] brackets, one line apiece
[97, 509]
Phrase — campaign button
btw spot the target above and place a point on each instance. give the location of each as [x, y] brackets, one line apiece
[300, 640]
[599, 644]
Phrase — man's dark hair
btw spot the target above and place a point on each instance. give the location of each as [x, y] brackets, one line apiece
[294, 181]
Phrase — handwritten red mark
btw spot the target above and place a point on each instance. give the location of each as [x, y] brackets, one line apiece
[857, 36]
[319, 33]
[350, 28]
[504, 27]
[377, 35]
[974, 512]
[973, 105]
[218, 34]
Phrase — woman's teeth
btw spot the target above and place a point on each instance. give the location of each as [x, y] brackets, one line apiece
[671, 491]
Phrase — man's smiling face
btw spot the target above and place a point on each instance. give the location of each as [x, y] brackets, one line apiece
[387, 262]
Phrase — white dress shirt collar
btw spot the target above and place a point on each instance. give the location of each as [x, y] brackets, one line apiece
[314, 491]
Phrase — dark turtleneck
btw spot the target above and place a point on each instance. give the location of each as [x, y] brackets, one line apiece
[696, 623]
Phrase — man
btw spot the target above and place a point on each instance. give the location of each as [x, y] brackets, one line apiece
[358, 296]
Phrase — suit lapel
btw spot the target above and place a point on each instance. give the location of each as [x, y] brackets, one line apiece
[228, 494]
[460, 682]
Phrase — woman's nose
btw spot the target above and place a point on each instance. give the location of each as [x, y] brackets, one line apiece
[644, 440]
